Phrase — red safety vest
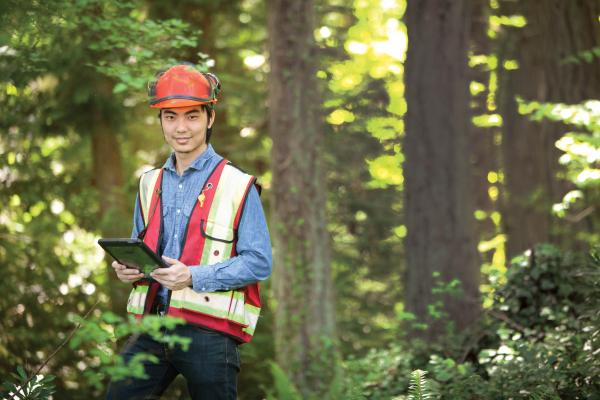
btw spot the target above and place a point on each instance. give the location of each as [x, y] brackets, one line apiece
[210, 237]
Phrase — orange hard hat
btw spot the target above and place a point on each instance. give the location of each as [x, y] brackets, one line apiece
[183, 86]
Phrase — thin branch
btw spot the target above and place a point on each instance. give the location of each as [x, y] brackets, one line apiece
[581, 215]
[67, 339]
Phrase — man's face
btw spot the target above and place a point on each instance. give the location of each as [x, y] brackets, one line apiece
[185, 128]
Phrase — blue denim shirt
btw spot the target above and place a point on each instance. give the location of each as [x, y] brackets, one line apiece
[179, 193]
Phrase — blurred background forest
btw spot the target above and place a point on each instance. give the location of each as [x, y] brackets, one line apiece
[430, 172]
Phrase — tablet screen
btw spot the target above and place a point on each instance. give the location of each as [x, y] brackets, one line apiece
[134, 257]
[133, 253]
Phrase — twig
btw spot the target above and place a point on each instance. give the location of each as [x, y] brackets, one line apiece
[67, 339]
[578, 217]
[510, 322]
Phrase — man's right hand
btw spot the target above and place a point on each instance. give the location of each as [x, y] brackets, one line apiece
[127, 275]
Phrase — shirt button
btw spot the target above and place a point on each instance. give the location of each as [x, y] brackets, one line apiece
[203, 289]
[216, 252]
[175, 236]
[178, 210]
[180, 186]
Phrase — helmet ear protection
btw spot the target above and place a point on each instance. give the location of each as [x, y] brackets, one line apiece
[152, 83]
[215, 84]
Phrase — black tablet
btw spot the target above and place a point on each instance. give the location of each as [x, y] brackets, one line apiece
[133, 253]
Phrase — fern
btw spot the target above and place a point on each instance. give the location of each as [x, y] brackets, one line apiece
[419, 388]
[284, 387]
[544, 393]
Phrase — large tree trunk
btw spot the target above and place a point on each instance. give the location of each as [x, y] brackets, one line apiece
[555, 30]
[114, 216]
[304, 316]
[439, 204]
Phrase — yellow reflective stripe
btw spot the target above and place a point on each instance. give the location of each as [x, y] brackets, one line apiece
[218, 304]
[250, 329]
[252, 309]
[237, 308]
[230, 193]
[251, 318]
[137, 299]
[147, 184]
[228, 199]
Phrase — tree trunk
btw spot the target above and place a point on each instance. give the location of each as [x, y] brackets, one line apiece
[439, 202]
[114, 217]
[303, 289]
[555, 30]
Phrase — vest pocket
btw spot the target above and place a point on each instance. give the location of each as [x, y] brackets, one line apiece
[213, 231]
[218, 242]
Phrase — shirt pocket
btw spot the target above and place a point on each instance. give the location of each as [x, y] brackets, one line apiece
[167, 220]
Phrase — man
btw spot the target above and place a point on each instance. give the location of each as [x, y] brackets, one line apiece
[204, 217]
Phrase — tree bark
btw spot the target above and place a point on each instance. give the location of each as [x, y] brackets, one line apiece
[114, 216]
[439, 202]
[303, 289]
[555, 30]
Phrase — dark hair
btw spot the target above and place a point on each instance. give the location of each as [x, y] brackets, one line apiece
[208, 111]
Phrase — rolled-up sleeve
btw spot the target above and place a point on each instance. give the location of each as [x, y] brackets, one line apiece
[253, 261]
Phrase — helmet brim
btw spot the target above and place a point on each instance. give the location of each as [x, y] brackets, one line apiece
[174, 103]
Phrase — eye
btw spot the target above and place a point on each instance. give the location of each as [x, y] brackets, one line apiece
[169, 117]
[192, 117]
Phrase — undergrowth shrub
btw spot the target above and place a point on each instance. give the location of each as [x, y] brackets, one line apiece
[539, 340]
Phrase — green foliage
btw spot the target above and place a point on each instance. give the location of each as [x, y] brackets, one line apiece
[544, 320]
[585, 56]
[39, 387]
[380, 374]
[114, 38]
[363, 46]
[581, 158]
[284, 387]
[100, 337]
[544, 291]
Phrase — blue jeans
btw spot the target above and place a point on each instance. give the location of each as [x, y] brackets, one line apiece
[210, 366]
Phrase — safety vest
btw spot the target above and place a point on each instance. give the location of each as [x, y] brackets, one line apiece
[210, 237]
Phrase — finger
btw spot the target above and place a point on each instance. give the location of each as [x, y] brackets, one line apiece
[117, 266]
[127, 279]
[130, 271]
[128, 274]
[170, 260]
[161, 271]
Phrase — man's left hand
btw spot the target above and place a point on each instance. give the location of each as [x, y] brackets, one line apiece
[176, 277]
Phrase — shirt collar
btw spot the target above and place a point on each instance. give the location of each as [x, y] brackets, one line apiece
[197, 164]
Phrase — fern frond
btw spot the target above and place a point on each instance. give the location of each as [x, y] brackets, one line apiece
[419, 388]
